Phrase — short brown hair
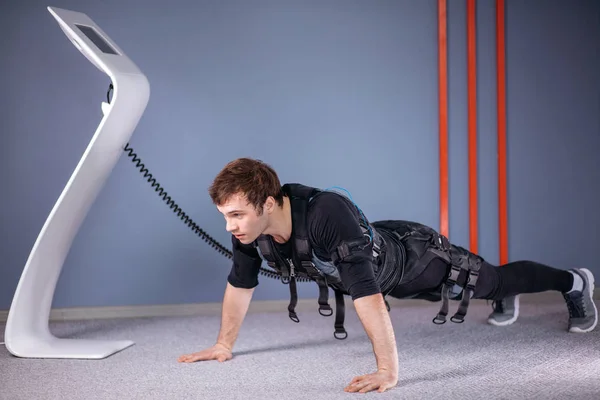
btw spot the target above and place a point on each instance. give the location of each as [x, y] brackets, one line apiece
[252, 178]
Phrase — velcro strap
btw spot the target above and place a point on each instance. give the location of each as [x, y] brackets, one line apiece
[453, 275]
[293, 301]
[473, 272]
[459, 317]
[340, 332]
[440, 318]
[346, 249]
[324, 307]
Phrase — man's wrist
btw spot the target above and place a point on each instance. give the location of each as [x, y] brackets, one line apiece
[388, 370]
[225, 345]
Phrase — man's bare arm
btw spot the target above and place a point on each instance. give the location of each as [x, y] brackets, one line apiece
[235, 306]
[375, 318]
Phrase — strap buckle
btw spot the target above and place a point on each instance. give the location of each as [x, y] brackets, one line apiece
[453, 275]
[340, 333]
[457, 319]
[294, 316]
[325, 307]
[473, 275]
[311, 269]
[442, 242]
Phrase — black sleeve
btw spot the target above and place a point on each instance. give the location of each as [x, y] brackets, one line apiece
[331, 221]
[246, 265]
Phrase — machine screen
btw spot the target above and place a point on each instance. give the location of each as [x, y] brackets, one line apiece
[96, 39]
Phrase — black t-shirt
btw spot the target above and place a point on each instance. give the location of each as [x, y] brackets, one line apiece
[331, 220]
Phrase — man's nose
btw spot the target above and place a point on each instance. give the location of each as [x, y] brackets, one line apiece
[230, 226]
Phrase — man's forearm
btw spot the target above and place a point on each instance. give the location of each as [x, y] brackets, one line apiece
[235, 306]
[376, 320]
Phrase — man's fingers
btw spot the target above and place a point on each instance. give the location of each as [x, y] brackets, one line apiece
[357, 379]
[193, 357]
[351, 385]
[369, 382]
[204, 357]
[350, 388]
[357, 384]
[213, 353]
[369, 387]
[366, 385]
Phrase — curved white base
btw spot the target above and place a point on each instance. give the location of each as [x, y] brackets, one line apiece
[66, 348]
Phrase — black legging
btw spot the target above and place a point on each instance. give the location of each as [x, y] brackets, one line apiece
[494, 283]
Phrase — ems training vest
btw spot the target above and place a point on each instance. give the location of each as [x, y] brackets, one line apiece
[306, 264]
[400, 251]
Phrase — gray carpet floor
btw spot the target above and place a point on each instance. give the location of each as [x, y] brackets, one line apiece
[536, 358]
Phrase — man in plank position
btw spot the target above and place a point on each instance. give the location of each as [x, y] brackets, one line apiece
[324, 236]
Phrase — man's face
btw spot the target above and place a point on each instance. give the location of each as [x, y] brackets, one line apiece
[242, 219]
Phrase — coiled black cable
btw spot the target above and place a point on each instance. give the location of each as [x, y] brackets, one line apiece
[183, 216]
[173, 206]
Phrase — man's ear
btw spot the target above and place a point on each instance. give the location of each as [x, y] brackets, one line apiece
[270, 203]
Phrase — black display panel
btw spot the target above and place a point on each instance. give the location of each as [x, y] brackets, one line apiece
[91, 34]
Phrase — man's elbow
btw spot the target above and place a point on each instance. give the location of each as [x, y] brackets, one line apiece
[369, 303]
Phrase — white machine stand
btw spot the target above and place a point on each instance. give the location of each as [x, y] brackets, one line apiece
[27, 331]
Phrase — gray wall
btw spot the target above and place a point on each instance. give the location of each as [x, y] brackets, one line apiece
[330, 93]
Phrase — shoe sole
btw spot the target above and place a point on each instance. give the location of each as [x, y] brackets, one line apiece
[590, 288]
[492, 321]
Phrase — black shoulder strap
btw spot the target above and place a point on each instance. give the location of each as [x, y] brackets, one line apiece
[300, 196]
[268, 251]
[266, 248]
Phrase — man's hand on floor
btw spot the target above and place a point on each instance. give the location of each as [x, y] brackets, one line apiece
[217, 352]
[381, 381]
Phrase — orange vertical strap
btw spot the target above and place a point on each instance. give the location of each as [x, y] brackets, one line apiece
[501, 101]
[443, 114]
[472, 102]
